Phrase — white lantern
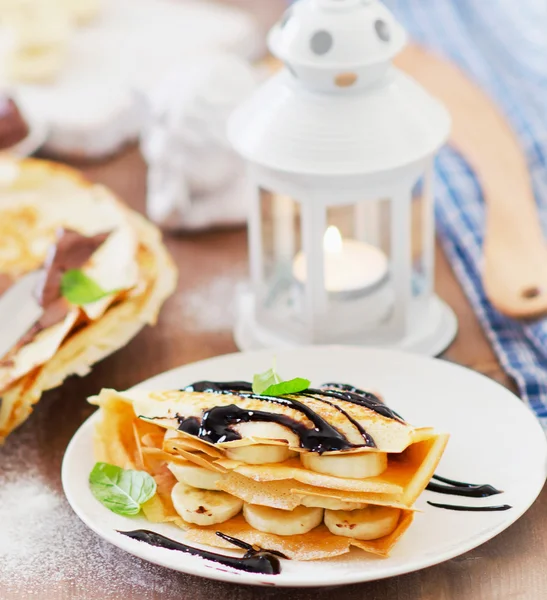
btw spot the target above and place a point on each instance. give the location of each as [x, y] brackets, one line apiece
[340, 147]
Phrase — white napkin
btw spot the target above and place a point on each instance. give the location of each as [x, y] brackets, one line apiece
[195, 179]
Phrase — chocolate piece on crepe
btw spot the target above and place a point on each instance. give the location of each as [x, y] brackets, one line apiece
[107, 244]
[5, 283]
[71, 250]
[13, 128]
[310, 474]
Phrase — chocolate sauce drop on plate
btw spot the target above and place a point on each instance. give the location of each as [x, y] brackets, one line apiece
[453, 482]
[469, 490]
[254, 561]
[473, 491]
[471, 508]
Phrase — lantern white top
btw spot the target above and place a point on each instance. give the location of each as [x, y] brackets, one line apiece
[339, 107]
[319, 38]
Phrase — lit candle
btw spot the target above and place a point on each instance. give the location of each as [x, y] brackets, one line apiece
[350, 265]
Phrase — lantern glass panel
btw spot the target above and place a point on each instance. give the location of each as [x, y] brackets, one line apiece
[280, 298]
[356, 249]
[418, 259]
[422, 242]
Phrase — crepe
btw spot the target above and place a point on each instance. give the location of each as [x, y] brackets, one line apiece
[37, 198]
[179, 437]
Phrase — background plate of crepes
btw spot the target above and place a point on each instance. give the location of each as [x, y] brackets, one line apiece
[494, 439]
[51, 220]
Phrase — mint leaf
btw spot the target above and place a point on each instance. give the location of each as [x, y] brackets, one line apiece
[120, 490]
[293, 386]
[80, 289]
[270, 383]
[263, 381]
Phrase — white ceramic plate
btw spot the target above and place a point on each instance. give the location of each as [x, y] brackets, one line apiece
[494, 439]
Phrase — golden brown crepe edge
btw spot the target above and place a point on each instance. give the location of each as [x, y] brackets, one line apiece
[317, 544]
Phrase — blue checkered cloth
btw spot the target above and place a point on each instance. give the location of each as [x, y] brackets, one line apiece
[502, 45]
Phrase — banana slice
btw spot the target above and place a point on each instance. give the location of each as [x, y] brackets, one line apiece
[368, 523]
[331, 503]
[195, 476]
[352, 466]
[204, 507]
[282, 522]
[260, 454]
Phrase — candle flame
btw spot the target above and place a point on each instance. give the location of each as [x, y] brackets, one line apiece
[332, 241]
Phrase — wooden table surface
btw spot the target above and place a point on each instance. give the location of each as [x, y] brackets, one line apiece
[196, 323]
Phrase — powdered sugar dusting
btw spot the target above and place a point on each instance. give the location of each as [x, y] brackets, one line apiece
[46, 552]
[212, 307]
[44, 543]
[45, 549]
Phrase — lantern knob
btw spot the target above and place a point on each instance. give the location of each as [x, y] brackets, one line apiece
[333, 45]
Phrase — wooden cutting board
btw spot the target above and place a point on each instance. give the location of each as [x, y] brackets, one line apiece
[515, 251]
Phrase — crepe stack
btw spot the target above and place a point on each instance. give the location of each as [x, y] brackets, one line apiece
[309, 475]
[52, 219]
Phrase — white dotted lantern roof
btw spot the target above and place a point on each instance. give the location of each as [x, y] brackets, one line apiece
[339, 107]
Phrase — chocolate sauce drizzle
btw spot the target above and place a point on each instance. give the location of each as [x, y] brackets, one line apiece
[367, 437]
[459, 488]
[471, 508]
[215, 425]
[469, 490]
[349, 393]
[254, 561]
[249, 547]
